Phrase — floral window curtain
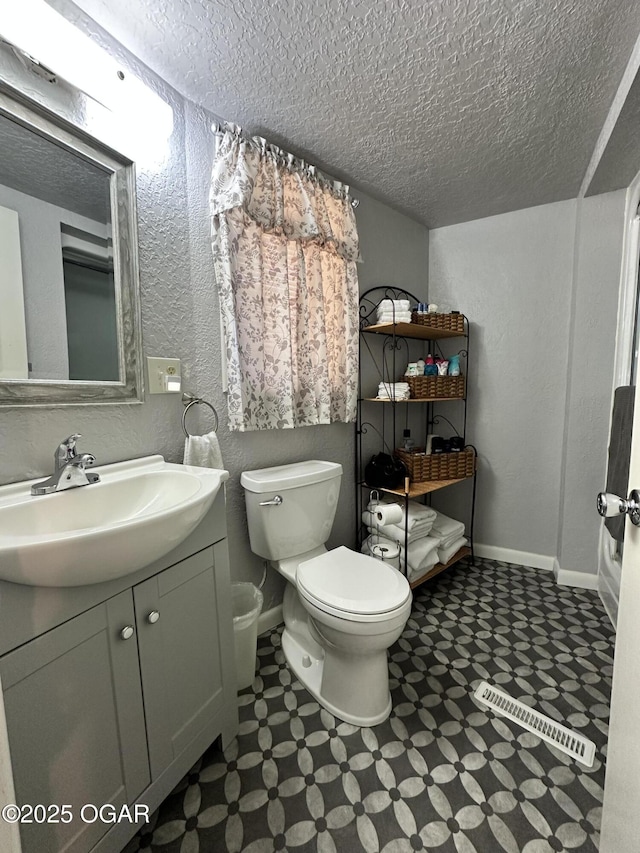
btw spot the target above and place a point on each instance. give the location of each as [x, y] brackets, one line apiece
[285, 248]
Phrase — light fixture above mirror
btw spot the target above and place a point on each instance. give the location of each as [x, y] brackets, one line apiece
[70, 325]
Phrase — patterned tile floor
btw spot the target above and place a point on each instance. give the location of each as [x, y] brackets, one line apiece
[442, 774]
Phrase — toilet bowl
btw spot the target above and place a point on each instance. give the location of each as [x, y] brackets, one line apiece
[342, 609]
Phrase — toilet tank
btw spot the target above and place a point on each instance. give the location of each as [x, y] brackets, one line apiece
[303, 521]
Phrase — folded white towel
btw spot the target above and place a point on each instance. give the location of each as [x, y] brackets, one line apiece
[400, 395]
[398, 317]
[416, 512]
[395, 531]
[446, 527]
[422, 554]
[203, 451]
[445, 554]
[389, 304]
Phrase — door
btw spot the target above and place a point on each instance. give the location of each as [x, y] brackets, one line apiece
[13, 332]
[621, 813]
[177, 613]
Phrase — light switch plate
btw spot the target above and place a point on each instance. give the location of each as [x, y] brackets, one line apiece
[158, 369]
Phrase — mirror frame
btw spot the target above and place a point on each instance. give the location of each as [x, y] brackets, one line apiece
[130, 388]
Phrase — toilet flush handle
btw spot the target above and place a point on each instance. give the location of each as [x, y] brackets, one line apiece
[273, 502]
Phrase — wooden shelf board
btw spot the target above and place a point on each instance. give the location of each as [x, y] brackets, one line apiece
[412, 330]
[441, 567]
[418, 489]
[412, 399]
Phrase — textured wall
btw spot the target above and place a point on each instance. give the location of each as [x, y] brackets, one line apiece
[593, 336]
[511, 274]
[395, 250]
[180, 318]
[30, 436]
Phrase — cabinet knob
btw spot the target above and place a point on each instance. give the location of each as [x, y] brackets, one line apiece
[127, 632]
[153, 616]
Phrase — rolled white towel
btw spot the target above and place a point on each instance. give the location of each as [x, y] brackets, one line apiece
[445, 554]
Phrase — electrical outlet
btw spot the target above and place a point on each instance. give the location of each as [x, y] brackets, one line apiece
[164, 375]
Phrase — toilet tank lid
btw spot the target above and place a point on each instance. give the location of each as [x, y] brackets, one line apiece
[291, 476]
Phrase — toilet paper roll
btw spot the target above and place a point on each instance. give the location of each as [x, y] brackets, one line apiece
[388, 514]
[388, 553]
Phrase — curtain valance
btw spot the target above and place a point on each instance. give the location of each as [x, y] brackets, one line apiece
[281, 195]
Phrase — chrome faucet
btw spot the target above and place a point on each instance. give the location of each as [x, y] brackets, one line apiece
[70, 469]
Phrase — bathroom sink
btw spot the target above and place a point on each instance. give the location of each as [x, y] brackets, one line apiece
[139, 511]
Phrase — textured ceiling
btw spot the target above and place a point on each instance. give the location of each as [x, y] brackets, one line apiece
[448, 110]
[37, 167]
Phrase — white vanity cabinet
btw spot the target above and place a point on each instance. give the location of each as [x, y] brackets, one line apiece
[114, 705]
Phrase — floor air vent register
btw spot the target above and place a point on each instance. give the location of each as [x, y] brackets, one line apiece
[575, 745]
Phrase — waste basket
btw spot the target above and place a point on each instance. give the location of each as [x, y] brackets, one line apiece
[247, 604]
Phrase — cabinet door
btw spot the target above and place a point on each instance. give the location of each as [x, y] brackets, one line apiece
[180, 656]
[74, 714]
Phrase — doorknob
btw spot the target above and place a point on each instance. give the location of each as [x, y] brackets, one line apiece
[610, 506]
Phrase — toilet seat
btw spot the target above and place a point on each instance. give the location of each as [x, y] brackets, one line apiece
[352, 586]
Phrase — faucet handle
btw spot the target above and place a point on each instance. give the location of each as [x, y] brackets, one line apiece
[66, 450]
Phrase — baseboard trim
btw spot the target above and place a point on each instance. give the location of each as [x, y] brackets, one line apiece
[567, 577]
[270, 619]
[520, 558]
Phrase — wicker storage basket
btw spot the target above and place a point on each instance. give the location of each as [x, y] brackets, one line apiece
[435, 386]
[450, 322]
[437, 466]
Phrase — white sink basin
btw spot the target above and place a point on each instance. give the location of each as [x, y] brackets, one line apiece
[139, 511]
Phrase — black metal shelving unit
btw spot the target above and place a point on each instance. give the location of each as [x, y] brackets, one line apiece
[388, 347]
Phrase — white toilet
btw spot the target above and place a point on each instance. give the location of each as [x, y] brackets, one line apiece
[342, 610]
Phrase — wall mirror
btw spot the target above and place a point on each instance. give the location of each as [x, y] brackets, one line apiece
[69, 300]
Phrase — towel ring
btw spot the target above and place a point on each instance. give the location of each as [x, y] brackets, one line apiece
[192, 402]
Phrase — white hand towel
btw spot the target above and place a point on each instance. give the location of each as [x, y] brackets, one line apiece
[203, 451]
